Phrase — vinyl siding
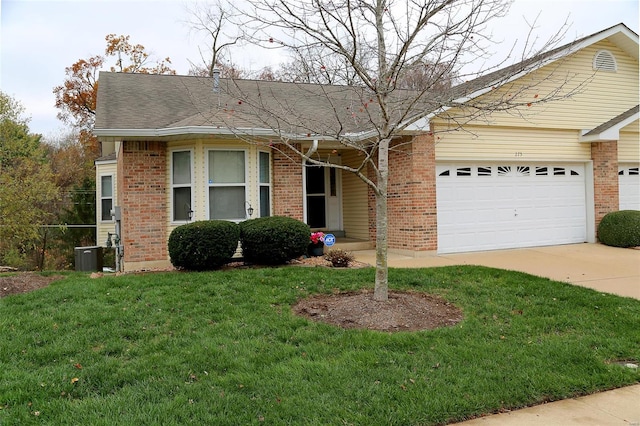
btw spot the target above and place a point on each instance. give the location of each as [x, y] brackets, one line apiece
[104, 227]
[603, 96]
[629, 144]
[354, 200]
[517, 144]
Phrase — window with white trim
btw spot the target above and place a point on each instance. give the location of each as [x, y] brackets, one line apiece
[227, 184]
[264, 183]
[106, 197]
[181, 185]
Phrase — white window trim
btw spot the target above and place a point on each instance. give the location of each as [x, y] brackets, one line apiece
[172, 186]
[101, 197]
[220, 185]
[261, 184]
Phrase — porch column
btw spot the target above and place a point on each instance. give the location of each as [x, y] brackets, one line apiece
[605, 179]
[411, 196]
[287, 183]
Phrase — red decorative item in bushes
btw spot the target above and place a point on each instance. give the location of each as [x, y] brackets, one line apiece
[317, 237]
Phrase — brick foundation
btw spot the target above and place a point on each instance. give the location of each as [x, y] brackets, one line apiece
[605, 178]
[142, 177]
[288, 194]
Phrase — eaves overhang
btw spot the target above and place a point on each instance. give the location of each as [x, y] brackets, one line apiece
[610, 131]
[170, 132]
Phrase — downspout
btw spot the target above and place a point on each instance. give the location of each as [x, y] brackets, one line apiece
[312, 149]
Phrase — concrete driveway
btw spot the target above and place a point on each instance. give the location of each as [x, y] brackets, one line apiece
[603, 268]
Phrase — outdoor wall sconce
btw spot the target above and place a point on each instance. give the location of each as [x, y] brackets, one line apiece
[189, 212]
[249, 208]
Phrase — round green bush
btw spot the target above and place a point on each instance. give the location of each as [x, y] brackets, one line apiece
[620, 229]
[203, 245]
[273, 240]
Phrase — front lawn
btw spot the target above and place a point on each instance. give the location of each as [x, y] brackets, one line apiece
[223, 348]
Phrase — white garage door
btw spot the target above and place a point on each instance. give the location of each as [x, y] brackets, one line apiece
[497, 206]
[629, 187]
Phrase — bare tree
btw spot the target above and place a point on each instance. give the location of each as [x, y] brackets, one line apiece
[368, 56]
[213, 20]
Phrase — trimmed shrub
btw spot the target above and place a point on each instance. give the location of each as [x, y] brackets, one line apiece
[620, 229]
[203, 245]
[339, 258]
[273, 240]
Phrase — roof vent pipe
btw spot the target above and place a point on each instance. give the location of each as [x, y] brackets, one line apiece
[216, 80]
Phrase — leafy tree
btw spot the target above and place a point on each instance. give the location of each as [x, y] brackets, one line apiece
[72, 158]
[76, 97]
[27, 189]
[379, 48]
[15, 139]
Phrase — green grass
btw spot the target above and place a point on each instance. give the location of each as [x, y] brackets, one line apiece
[223, 348]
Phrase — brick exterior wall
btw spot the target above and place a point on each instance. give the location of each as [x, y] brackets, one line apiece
[142, 176]
[288, 196]
[605, 178]
[411, 199]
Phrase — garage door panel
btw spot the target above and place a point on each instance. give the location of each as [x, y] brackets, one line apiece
[510, 206]
[629, 186]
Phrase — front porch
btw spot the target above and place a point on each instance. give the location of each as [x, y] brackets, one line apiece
[351, 244]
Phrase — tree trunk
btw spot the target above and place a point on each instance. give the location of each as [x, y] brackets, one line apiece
[382, 282]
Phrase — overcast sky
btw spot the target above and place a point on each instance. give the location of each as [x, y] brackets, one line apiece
[39, 38]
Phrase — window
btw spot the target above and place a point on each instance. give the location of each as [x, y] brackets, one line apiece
[463, 171]
[181, 176]
[484, 171]
[264, 184]
[227, 185]
[106, 197]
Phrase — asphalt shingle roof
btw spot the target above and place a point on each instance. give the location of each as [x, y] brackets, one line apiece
[144, 101]
[614, 121]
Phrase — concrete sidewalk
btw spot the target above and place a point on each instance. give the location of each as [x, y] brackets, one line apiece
[602, 268]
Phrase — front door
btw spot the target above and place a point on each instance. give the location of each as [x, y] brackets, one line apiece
[322, 195]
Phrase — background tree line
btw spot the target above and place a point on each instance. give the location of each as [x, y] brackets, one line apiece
[47, 187]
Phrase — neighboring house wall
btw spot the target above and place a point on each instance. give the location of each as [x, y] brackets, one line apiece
[605, 178]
